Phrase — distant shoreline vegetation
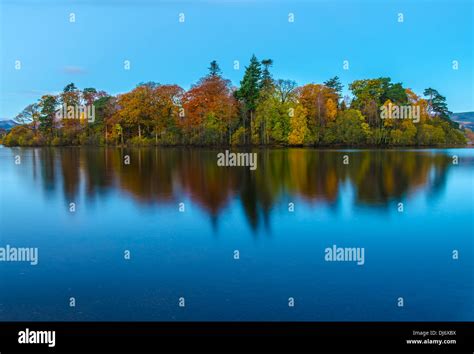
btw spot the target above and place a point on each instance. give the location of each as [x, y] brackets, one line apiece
[263, 111]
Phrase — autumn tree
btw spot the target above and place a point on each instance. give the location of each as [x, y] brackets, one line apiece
[299, 128]
[265, 113]
[137, 110]
[210, 110]
[272, 116]
[70, 123]
[371, 94]
[166, 109]
[89, 95]
[272, 111]
[314, 98]
[330, 110]
[105, 108]
[349, 128]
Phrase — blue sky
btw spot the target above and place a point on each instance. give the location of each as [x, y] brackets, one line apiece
[91, 52]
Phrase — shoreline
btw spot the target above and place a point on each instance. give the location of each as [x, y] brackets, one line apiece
[252, 147]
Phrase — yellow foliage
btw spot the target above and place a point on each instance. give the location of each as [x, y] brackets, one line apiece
[298, 126]
[331, 110]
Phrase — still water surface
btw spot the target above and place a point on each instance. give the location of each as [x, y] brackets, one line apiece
[190, 254]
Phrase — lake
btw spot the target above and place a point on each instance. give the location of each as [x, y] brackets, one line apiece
[173, 236]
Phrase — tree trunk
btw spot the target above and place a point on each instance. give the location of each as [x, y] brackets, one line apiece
[250, 127]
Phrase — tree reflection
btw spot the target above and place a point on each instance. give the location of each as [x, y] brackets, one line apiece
[166, 176]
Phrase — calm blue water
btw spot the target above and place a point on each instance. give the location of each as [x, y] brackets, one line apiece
[190, 254]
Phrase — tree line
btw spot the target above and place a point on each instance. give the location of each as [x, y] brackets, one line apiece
[262, 111]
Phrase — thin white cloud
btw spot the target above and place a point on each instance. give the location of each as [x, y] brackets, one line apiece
[74, 70]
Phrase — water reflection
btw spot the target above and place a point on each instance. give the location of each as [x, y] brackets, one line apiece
[153, 176]
[135, 207]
